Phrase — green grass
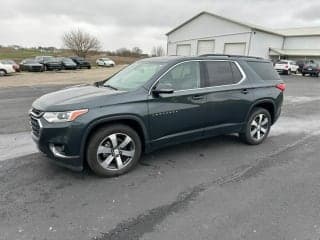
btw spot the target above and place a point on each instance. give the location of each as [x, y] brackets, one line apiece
[18, 55]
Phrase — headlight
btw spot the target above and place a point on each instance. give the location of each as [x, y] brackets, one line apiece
[57, 117]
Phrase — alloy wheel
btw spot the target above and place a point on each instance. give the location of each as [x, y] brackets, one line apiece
[116, 151]
[259, 127]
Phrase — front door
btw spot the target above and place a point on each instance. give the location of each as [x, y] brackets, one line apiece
[178, 116]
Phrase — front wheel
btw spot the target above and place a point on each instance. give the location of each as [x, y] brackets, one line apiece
[2, 73]
[257, 127]
[113, 150]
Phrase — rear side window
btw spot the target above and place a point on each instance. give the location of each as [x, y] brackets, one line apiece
[264, 70]
[221, 73]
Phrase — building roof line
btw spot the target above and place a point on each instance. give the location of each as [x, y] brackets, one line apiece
[284, 32]
[252, 26]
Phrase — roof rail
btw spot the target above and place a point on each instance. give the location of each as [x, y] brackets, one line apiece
[228, 55]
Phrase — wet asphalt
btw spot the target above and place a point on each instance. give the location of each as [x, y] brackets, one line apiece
[217, 188]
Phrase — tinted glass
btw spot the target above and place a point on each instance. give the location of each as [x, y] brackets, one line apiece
[219, 73]
[237, 75]
[264, 70]
[134, 75]
[182, 77]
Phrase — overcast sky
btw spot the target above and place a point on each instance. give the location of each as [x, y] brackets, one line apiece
[142, 23]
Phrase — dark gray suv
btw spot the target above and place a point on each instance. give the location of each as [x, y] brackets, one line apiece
[154, 103]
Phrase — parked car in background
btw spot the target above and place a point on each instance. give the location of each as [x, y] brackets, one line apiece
[286, 67]
[105, 62]
[6, 69]
[153, 103]
[49, 63]
[15, 66]
[68, 63]
[313, 69]
[81, 62]
[31, 65]
[302, 63]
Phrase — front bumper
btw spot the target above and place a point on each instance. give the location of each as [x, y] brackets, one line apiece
[54, 67]
[60, 142]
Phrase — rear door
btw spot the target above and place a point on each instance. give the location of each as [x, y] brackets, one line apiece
[178, 116]
[228, 96]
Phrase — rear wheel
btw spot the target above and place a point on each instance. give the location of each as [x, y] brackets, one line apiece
[113, 150]
[2, 72]
[257, 127]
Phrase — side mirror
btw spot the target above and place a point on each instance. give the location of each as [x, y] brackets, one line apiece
[163, 89]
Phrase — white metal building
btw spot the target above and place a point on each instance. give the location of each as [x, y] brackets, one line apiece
[209, 33]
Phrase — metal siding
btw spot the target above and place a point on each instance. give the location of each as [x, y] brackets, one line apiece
[205, 46]
[183, 49]
[235, 48]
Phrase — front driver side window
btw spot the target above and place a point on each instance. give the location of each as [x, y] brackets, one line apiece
[182, 77]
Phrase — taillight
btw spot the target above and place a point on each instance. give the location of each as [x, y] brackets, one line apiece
[281, 86]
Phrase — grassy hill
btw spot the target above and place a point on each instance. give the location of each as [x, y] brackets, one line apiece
[20, 54]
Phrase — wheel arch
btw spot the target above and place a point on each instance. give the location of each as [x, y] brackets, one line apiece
[5, 71]
[267, 104]
[130, 120]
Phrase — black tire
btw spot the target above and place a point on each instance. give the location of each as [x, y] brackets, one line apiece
[89, 67]
[303, 74]
[2, 72]
[246, 136]
[102, 138]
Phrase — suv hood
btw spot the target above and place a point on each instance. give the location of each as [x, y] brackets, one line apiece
[76, 97]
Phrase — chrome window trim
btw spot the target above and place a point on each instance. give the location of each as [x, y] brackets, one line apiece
[244, 76]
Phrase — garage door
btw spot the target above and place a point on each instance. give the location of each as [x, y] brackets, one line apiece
[205, 47]
[183, 49]
[235, 48]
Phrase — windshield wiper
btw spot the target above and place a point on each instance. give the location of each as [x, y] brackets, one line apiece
[109, 86]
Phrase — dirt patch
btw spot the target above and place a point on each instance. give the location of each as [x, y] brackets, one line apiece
[64, 77]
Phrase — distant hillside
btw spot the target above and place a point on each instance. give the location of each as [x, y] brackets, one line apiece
[19, 54]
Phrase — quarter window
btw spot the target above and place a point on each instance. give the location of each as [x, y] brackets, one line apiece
[264, 70]
[182, 77]
[221, 73]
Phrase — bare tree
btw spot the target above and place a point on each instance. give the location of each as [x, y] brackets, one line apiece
[157, 51]
[136, 51]
[81, 42]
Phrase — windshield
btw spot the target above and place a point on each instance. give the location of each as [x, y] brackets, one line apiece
[67, 60]
[29, 61]
[7, 62]
[134, 75]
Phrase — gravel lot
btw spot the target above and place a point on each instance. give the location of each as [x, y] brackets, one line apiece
[63, 77]
[212, 189]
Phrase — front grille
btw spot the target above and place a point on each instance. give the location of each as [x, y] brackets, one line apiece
[36, 68]
[35, 126]
[35, 114]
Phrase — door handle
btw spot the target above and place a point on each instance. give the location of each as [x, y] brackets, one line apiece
[245, 91]
[197, 97]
